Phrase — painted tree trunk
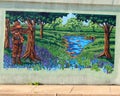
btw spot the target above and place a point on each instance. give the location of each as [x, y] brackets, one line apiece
[7, 31]
[41, 30]
[30, 49]
[106, 51]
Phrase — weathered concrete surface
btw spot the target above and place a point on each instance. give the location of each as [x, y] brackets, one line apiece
[58, 90]
[104, 2]
[93, 2]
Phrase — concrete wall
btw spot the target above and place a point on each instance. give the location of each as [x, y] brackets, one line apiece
[24, 76]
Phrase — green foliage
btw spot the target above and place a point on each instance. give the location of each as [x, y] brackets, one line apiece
[108, 68]
[99, 19]
[48, 26]
[84, 61]
[53, 42]
[93, 26]
[94, 49]
[73, 24]
[95, 67]
[7, 51]
[36, 83]
[57, 23]
[37, 16]
[37, 67]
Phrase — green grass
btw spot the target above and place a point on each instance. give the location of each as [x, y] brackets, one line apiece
[52, 41]
[97, 47]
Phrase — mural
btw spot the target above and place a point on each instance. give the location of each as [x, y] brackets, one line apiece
[59, 41]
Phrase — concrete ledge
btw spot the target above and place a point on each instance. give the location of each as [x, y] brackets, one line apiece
[58, 90]
[27, 94]
[116, 2]
[98, 2]
[93, 2]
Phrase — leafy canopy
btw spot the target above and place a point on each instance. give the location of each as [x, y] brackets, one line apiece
[37, 16]
[99, 19]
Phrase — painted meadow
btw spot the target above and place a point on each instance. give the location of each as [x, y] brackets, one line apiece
[59, 41]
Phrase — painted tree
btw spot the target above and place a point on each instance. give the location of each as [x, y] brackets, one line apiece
[41, 18]
[30, 49]
[41, 29]
[32, 18]
[107, 22]
[73, 24]
[58, 21]
[45, 17]
[14, 15]
[7, 31]
[55, 25]
[30, 30]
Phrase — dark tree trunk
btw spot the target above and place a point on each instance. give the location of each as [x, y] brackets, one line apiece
[107, 31]
[41, 29]
[7, 31]
[30, 49]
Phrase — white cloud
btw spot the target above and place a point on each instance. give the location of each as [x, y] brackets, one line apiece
[65, 18]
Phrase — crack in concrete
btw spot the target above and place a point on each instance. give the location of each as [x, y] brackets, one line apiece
[71, 89]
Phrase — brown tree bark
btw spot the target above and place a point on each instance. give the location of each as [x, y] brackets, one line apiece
[7, 31]
[107, 30]
[41, 29]
[30, 49]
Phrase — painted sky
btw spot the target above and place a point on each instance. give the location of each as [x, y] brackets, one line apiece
[65, 18]
[71, 15]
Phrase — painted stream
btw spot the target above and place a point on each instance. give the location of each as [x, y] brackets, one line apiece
[75, 44]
